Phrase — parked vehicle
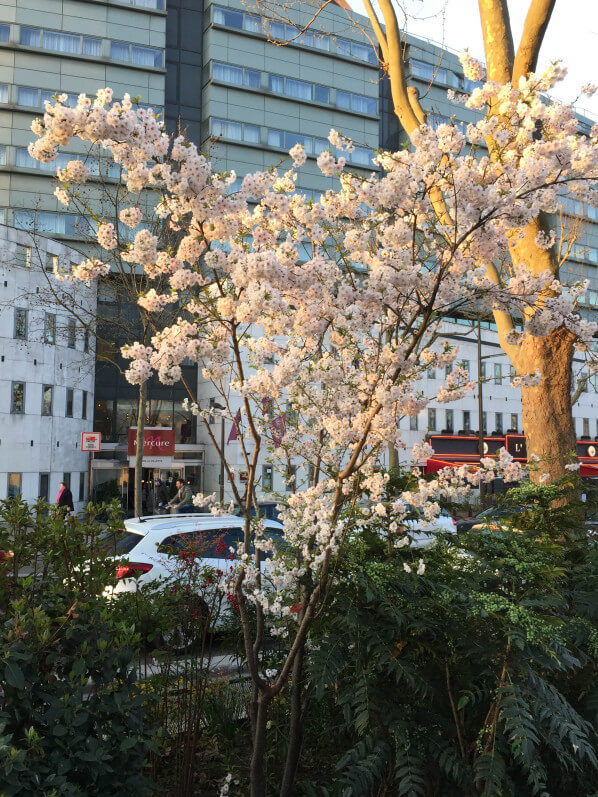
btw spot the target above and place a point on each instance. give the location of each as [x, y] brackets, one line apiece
[487, 516]
[423, 532]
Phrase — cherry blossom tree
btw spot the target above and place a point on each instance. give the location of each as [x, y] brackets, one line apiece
[327, 313]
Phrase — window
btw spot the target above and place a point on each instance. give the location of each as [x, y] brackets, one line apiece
[91, 46]
[358, 50]
[84, 404]
[51, 262]
[497, 374]
[60, 42]
[3, 93]
[69, 402]
[431, 420]
[17, 405]
[44, 486]
[356, 102]
[298, 89]
[30, 37]
[236, 131]
[413, 423]
[20, 323]
[50, 328]
[465, 365]
[498, 422]
[466, 421]
[290, 479]
[210, 544]
[14, 485]
[225, 16]
[267, 478]
[482, 370]
[82, 486]
[515, 422]
[71, 333]
[422, 70]
[23, 256]
[431, 373]
[586, 427]
[450, 423]
[275, 138]
[47, 393]
[146, 56]
[86, 340]
[66, 478]
[485, 423]
[235, 75]
[53, 223]
[4, 33]
[447, 369]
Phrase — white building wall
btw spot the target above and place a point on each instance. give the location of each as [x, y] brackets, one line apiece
[31, 443]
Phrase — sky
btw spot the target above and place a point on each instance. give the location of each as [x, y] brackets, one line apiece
[572, 36]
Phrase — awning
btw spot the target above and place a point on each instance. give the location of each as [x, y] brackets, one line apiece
[434, 465]
[585, 469]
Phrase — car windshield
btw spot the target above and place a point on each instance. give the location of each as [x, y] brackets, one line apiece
[500, 511]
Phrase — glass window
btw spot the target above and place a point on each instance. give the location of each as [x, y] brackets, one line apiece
[146, 56]
[251, 134]
[362, 51]
[30, 36]
[60, 42]
[413, 422]
[26, 96]
[24, 159]
[71, 333]
[23, 256]
[422, 70]
[276, 29]
[44, 486]
[226, 129]
[66, 478]
[321, 41]
[497, 373]
[515, 422]
[343, 99]
[69, 402]
[466, 421]
[484, 423]
[85, 339]
[92, 46]
[227, 73]
[84, 404]
[465, 365]
[267, 478]
[362, 156]
[431, 373]
[50, 328]
[431, 420]
[290, 139]
[82, 486]
[225, 16]
[498, 422]
[47, 394]
[14, 485]
[17, 404]
[450, 420]
[251, 78]
[252, 23]
[275, 138]
[321, 94]
[20, 323]
[3, 93]
[276, 83]
[4, 33]
[482, 370]
[119, 51]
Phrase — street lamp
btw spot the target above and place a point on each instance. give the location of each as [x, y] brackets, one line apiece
[216, 406]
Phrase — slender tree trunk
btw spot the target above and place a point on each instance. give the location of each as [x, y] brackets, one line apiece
[295, 728]
[257, 770]
[547, 417]
[139, 448]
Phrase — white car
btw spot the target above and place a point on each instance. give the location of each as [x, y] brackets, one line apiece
[423, 532]
[143, 550]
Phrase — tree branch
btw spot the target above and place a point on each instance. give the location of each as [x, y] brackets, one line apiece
[498, 39]
[536, 22]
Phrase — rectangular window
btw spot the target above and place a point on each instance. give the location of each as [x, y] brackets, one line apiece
[497, 373]
[82, 486]
[51, 262]
[252, 23]
[84, 404]
[450, 421]
[66, 478]
[146, 56]
[17, 404]
[69, 402]
[232, 130]
[23, 256]
[466, 421]
[251, 134]
[60, 42]
[413, 423]
[14, 485]
[44, 486]
[225, 16]
[356, 102]
[4, 33]
[431, 373]
[85, 340]
[71, 333]
[291, 479]
[30, 37]
[50, 328]
[322, 94]
[47, 394]
[515, 422]
[498, 422]
[422, 70]
[92, 46]
[275, 138]
[267, 478]
[465, 365]
[119, 51]
[482, 370]
[431, 420]
[448, 369]
[586, 427]
[3, 93]
[27, 96]
[20, 323]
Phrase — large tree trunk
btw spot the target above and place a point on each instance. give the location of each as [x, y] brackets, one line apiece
[547, 417]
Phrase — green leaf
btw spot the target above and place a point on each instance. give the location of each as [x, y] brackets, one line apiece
[13, 675]
[463, 701]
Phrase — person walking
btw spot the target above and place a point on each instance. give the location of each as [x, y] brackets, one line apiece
[161, 494]
[183, 500]
[65, 498]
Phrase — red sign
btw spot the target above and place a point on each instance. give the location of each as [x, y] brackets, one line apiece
[158, 441]
[91, 441]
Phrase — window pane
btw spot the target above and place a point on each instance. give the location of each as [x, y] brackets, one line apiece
[251, 133]
[224, 16]
[276, 30]
[228, 74]
[44, 486]
[275, 138]
[4, 33]
[361, 51]
[343, 99]
[276, 83]
[290, 139]
[27, 96]
[18, 397]
[119, 51]
[3, 93]
[84, 405]
[60, 42]
[30, 36]
[71, 333]
[322, 94]
[92, 46]
[253, 24]
[146, 56]
[252, 78]
[422, 70]
[47, 400]
[50, 328]
[20, 323]
[233, 130]
[321, 41]
[14, 485]
[69, 403]
[299, 89]
[343, 46]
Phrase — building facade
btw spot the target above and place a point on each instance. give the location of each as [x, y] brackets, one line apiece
[46, 370]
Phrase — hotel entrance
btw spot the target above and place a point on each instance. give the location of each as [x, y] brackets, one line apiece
[190, 474]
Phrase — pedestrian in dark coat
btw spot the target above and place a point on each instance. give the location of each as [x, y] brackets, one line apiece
[65, 498]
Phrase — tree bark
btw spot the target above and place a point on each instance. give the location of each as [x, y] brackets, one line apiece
[139, 449]
[547, 416]
[287, 788]
[257, 769]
